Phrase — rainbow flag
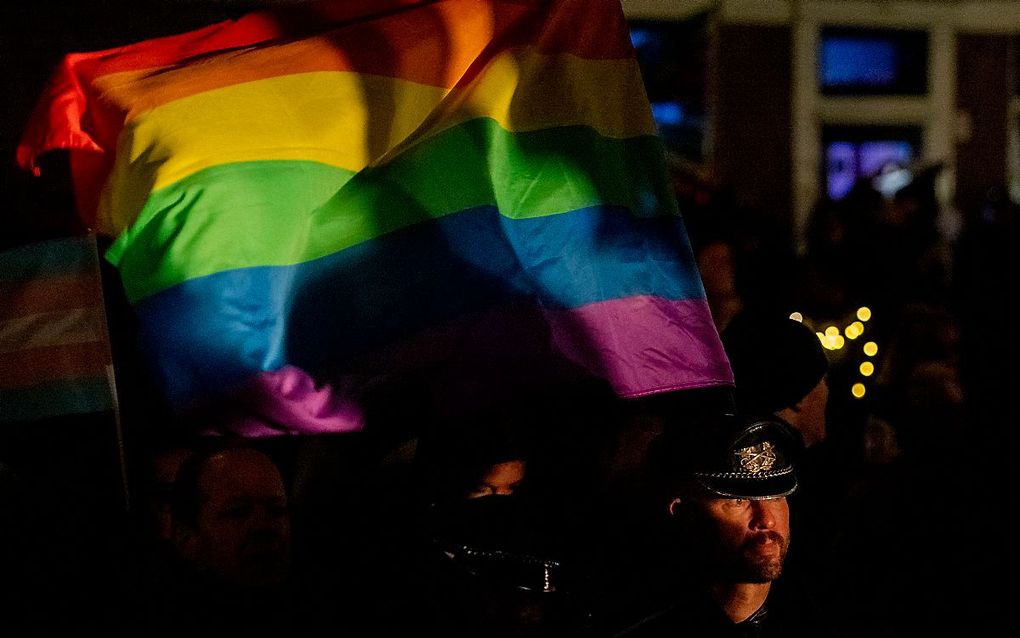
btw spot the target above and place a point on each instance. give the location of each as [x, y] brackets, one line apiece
[54, 346]
[344, 187]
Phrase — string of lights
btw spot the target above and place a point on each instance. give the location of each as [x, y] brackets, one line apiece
[839, 343]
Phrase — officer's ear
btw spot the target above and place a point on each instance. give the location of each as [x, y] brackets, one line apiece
[674, 506]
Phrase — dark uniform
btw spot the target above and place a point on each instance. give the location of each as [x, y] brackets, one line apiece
[693, 613]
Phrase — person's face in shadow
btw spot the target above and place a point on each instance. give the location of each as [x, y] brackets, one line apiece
[741, 540]
[499, 479]
[242, 532]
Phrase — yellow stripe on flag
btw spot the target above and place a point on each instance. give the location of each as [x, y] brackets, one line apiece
[352, 121]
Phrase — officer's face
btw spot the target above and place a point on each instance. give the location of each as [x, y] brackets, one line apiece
[746, 540]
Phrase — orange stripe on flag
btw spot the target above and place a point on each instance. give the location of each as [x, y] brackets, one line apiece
[439, 63]
[397, 50]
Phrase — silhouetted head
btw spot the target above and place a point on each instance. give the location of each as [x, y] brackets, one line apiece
[230, 517]
[780, 368]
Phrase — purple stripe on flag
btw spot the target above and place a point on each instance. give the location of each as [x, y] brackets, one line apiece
[286, 401]
[644, 344]
[640, 345]
[666, 345]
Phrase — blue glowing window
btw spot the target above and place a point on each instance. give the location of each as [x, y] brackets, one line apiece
[668, 113]
[670, 56]
[847, 61]
[641, 38]
[854, 61]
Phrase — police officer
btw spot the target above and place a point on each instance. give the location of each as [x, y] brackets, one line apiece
[723, 484]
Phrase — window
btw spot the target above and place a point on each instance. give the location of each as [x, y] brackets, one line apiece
[855, 61]
[883, 155]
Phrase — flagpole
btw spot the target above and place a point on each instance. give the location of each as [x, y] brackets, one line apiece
[112, 380]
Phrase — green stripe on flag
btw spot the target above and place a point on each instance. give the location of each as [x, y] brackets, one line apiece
[289, 212]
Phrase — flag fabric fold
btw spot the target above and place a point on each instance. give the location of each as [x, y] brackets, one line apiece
[317, 187]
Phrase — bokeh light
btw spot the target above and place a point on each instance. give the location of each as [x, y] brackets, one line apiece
[854, 330]
[831, 342]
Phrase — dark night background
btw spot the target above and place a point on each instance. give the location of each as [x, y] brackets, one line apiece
[70, 470]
